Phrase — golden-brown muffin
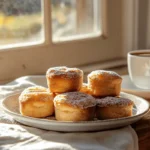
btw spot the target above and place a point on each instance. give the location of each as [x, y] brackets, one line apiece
[74, 106]
[36, 102]
[63, 79]
[113, 107]
[104, 83]
[85, 89]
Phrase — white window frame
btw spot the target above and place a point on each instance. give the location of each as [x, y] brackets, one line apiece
[130, 25]
[47, 27]
[35, 59]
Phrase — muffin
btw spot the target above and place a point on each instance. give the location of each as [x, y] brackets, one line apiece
[113, 107]
[63, 79]
[104, 83]
[74, 106]
[36, 102]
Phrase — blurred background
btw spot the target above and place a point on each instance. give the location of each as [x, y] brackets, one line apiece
[22, 21]
[19, 21]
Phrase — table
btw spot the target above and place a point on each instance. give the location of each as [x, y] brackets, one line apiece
[142, 129]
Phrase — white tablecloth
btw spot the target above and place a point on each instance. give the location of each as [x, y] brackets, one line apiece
[15, 136]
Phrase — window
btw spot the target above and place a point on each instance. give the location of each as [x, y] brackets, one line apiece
[75, 19]
[21, 23]
[58, 32]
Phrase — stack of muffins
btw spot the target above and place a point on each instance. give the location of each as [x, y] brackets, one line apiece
[69, 99]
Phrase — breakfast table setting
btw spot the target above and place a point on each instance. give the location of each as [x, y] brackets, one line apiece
[18, 132]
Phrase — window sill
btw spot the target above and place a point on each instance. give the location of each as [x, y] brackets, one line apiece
[118, 65]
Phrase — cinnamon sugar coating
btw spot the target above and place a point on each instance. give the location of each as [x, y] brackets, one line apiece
[76, 99]
[113, 101]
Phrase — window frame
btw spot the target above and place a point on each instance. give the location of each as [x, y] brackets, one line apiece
[47, 30]
[130, 19]
[35, 59]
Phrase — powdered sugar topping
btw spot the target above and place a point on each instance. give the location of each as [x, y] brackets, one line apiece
[41, 93]
[64, 72]
[35, 89]
[76, 99]
[96, 73]
[113, 101]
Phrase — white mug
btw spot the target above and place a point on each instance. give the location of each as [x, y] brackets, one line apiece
[139, 68]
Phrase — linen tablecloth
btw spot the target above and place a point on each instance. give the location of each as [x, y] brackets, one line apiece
[15, 136]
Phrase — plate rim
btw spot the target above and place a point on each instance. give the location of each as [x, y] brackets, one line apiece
[6, 110]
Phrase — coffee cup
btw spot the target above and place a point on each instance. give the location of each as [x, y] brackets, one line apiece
[139, 68]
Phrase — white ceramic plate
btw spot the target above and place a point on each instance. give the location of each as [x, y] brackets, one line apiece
[129, 87]
[11, 107]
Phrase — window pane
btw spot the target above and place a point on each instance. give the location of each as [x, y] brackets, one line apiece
[20, 23]
[75, 19]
